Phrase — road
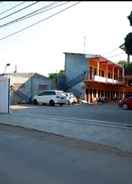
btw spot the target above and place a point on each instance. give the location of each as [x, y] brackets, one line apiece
[30, 157]
[105, 112]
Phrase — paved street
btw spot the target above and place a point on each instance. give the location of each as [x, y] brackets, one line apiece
[103, 124]
[104, 112]
[30, 157]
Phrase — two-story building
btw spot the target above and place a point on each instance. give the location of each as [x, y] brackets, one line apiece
[104, 79]
[93, 76]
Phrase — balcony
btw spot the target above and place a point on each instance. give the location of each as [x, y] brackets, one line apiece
[106, 80]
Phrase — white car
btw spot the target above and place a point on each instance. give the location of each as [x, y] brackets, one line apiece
[71, 99]
[50, 97]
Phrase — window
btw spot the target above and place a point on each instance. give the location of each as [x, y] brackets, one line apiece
[47, 93]
[51, 93]
[42, 94]
[102, 73]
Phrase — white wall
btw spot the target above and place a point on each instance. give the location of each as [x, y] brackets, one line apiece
[104, 79]
[4, 94]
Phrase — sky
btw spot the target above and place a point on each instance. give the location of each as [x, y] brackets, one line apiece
[90, 27]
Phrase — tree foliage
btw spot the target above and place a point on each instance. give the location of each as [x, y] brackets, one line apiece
[122, 62]
[130, 18]
[128, 68]
[128, 43]
[56, 75]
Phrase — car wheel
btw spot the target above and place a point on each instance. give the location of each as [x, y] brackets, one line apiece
[125, 106]
[51, 103]
[35, 102]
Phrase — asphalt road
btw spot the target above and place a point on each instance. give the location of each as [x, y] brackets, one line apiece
[29, 157]
[104, 112]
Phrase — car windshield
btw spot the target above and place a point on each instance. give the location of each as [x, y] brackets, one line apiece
[59, 92]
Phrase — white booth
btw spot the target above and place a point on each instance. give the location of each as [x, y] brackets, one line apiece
[4, 94]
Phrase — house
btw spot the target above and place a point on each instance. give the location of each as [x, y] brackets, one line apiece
[25, 85]
[93, 76]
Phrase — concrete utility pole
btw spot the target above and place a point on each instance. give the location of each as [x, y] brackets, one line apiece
[15, 69]
[128, 58]
[84, 44]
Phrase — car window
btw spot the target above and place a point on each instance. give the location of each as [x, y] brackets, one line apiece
[47, 93]
[51, 93]
[59, 93]
[42, 93]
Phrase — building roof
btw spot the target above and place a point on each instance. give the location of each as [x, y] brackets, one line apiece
[83, 54]
[27, 75]
[92, 56]
[103, 59]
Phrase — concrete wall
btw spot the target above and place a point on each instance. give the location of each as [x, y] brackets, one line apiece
[76, 64]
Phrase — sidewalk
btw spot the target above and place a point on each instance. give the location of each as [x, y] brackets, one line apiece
[88, 130]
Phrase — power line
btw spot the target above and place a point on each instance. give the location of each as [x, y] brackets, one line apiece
[12, 8]
[19, 10]
[34, 13]
[42, 20]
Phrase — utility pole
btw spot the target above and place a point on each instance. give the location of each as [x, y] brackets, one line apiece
[128, 58]
[84, 44]
[15, 69]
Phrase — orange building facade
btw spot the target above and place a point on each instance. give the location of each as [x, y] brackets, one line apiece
[105, 79]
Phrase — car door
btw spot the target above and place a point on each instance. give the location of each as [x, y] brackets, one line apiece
[51, 96]
[41, 97]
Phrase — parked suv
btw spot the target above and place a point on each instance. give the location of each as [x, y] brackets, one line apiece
[50, 97]
[126, 103]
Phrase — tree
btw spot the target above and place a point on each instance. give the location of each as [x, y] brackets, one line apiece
[128, 43]
[128, 69]
[122, 62]
[130, 18]
[57, 79]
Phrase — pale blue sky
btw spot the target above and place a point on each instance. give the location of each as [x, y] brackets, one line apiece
[40, 48]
